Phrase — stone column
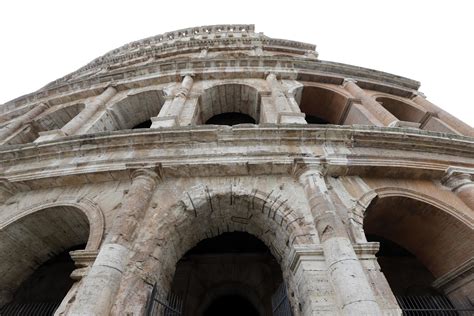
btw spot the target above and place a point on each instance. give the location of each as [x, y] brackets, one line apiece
[286, 113]
[461, 182]
[19, 122]
[375, 108]
[96, 295]
[170, 113]
[91, 108]
[444, 116]
[353, 291]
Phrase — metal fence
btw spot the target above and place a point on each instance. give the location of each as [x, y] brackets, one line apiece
[432, 305]
[27, 309]
[160, 304]
[280, 303]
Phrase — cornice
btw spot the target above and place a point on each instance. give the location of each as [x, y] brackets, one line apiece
[169, 70]
[212, 150]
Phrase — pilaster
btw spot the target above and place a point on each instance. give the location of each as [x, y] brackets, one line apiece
[376, 109]
[21, 121]
[73, 126]
[353, 292]
[171, 112]
[286, 113]
[444, 117]
[96, 295]
[461, 183]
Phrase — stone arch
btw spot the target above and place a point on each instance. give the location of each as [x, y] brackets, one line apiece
[89, 208]
[39, 234]
[132, 109]
[202, 213]
[402, 109]
[51, 119]
[229, 97]
[322, 104]
[57, 118]
[427, 227]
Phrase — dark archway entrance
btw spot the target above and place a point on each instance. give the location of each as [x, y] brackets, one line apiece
[44, 290]
[231, 274]
[230, 118]
[231, 305]
[419, 243]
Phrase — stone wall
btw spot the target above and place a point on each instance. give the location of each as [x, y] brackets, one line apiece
[73, 171]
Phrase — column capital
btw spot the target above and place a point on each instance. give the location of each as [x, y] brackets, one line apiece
[457, 177]
[349, 80]
[271, 75]
[307, 165]
[152, 173]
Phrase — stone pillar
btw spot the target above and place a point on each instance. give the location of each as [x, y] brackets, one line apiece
[170, 113]
[19, 122]
[96, 295]
[286, 113]
[444, 116]
[461, 182]
[352, 289]
[375, 108]
[91, 108]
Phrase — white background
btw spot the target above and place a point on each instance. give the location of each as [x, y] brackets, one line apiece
[428, 41]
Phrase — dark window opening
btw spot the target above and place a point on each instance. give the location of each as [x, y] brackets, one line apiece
[231, 305]
[230, 118]
[145, 124]
[311, 119]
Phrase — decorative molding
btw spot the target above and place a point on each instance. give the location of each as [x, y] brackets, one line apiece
[305, 253]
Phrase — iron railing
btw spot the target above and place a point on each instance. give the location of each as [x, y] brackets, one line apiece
[29, 309]
[432, 305]
[280, 303]
[163, 305]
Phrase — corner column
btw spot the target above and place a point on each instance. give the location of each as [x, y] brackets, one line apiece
[461, 183]
[286, 113]
[96, 295]
[375, 108]
[353, 291]
[21, 121]
[170, 113]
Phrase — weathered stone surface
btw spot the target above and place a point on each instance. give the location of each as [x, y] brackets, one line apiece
[130, 203]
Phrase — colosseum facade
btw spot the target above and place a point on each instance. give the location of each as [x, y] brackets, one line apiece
[217, 171]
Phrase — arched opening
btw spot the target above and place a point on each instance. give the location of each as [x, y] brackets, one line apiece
[321, 105]
[229, 104]
[402, 110]
[43, 291]
[419, 243]
[230, 118]
[34, 259]
[145, 124]
[46, 122]
[232, 269]
[58, 118]
[130, 112]
[204, 214]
